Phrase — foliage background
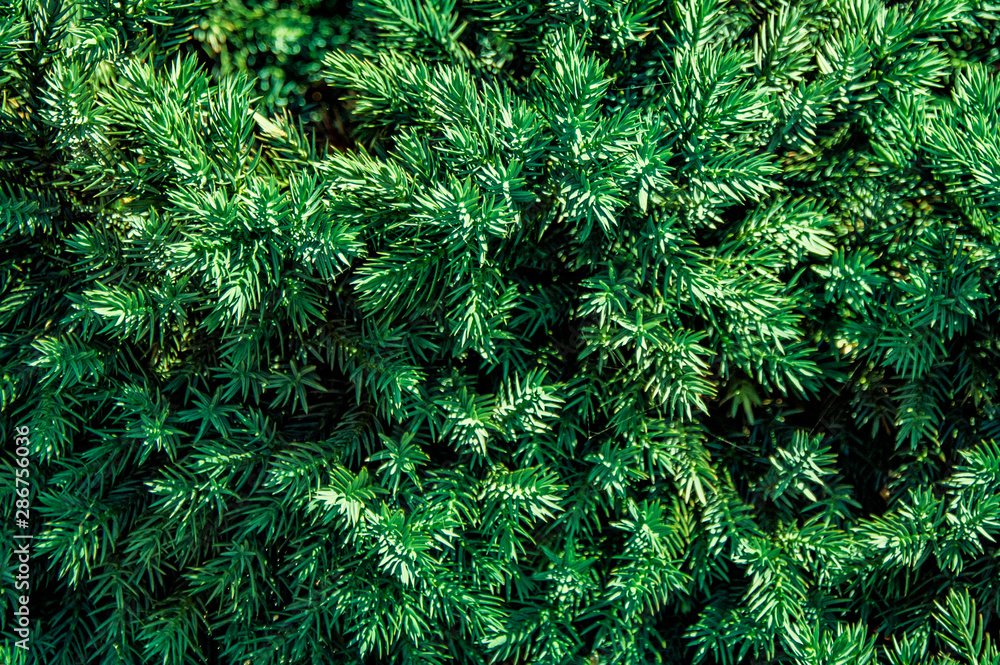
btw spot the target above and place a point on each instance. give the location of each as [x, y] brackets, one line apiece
[280, 46]
[567, 332]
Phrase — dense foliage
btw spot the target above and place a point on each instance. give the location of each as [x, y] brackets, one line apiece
[279, 46]
[627, 332]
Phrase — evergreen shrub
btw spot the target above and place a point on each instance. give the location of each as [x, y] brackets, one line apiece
[625, 332]
[279, 46]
